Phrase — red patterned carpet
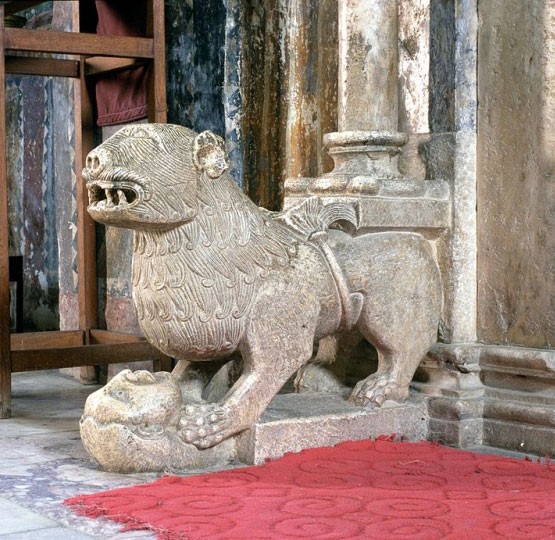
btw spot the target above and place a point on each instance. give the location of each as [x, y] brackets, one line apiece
[356, 490]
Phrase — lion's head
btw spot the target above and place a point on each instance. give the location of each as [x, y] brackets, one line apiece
[131, 424]
[145, 176]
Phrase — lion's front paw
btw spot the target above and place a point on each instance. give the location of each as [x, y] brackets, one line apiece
[203, 425]
[376, 389]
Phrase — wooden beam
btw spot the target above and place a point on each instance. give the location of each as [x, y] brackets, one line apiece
[48, 67]
[86, 227]
[88, 355]
[5, 355]
[161, 363]
[86, 268]
[100, 65]
[157, 107]
[164, 363]
[49, 41]
[44, 340]
[106, 337]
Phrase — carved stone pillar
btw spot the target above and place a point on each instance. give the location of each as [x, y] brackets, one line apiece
[366, 148]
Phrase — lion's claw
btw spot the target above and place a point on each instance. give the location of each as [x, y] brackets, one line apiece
[203, 425]
[375, 390]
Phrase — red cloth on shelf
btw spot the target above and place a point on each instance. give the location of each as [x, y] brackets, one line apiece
[356, 490]
[122, 96]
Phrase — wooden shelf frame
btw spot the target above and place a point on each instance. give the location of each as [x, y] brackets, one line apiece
[57, 67]
[94, 55]
[79, 43]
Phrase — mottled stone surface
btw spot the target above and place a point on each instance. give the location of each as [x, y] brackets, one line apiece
[264, 74]
[414, 66]
[516, 165]
[288, 74]
[462, 297]
[442, 65]
[31, 113]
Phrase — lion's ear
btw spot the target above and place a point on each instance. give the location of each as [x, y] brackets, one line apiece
[209, 154]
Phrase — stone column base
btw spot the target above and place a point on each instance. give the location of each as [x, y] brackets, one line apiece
[500, 396]
[362, 159]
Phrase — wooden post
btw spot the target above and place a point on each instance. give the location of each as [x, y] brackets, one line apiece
[5, 354]
[157, 108]
[86, 229]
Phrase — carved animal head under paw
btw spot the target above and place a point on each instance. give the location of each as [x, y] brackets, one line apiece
[146, 175]
[125, 425]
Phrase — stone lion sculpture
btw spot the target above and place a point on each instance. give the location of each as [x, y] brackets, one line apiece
[214, 274]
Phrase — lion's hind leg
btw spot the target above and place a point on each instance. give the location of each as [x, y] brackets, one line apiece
[390, 382]
[401, 344]
[396, 368]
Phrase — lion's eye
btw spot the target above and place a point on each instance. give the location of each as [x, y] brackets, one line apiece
[120, 394]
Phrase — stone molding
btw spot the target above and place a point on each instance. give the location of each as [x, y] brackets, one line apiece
[396, 212]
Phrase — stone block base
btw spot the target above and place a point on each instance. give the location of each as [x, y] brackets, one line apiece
[457, 401]
[294, 422]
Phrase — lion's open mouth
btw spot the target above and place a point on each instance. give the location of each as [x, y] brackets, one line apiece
[113, 195]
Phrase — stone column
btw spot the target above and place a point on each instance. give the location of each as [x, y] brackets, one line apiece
[368, 59]
[367, 146]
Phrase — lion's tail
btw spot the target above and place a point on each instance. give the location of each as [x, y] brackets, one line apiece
[312, 216]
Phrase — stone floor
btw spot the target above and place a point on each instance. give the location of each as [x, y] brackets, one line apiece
[42, 462]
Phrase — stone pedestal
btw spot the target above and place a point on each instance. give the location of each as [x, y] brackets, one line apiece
[294, 422]
[367, 146]
[366, 151]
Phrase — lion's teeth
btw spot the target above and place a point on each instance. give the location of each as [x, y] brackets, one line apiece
[122, 197]
[109, 197]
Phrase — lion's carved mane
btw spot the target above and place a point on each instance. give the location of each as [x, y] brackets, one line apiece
[194, 285]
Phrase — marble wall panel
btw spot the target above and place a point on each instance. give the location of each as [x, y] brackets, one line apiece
[32, 187]
[516, 167]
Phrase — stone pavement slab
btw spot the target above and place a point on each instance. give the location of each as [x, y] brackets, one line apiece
[17, 519]
[51, 533]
